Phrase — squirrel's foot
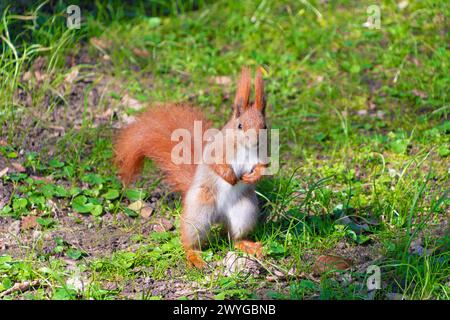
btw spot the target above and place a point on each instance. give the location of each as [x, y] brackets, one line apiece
[194, 259]
[250, 247]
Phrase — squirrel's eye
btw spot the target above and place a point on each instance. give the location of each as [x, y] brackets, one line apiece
[240, 126]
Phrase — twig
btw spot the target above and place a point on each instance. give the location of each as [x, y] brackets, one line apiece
[22, 287]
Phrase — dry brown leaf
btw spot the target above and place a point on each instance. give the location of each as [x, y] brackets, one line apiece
[419, 94]
[28, 222]
[27, 76]
[126, 119]
[146, 212]
[130, 102]
[141, 53]
[136, 206]
[40, 76]
[46, 179]
[18, 167]
[71, 76]
[4, 171]
[162, 225]
[235, 263]
[221, 80]
[101, 43]
[327, 263]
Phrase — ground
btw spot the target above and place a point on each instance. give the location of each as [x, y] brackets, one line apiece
[364, 127]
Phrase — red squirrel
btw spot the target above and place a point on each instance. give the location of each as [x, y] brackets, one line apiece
[220, 191]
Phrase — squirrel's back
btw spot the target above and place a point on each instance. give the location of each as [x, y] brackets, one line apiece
[150, 136]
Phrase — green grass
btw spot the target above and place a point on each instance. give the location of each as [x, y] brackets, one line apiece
[364, 130]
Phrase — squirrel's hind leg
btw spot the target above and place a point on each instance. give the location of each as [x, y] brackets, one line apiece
[241, 219]
[195, 224]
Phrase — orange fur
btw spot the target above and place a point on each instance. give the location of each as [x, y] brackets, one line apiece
[250, 247]
[260, 102]
[150, 136]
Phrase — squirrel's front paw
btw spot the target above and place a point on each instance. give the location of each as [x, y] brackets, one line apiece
[254, 176]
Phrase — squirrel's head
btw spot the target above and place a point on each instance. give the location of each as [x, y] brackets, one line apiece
[249, 118]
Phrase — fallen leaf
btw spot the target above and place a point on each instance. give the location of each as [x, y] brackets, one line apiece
[221, 80]
[136, 206]
[128, 119]
[327, 263]
[419, 94]
[46, 179]
[28, 222]
[18, 167]
[4, 171]
[146, 212]
[71, 76]
[40, 76]
[130, 102]
[141, 53]
[26, 76]
[162, 225]
[362, 112]
[100, 43]
[235, 263]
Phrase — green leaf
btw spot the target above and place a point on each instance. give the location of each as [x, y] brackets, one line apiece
[130, 213]
[355, 68]
[111, 194]
[56, 163]
[399, 145]
[276, 249]
[6, 284]
[74, 254]
[74, 191]
[444, 151]
[135, 194]
[45, 222]
[97, 210]
[6, 210]
[64, 294]
[93, 179]
[153, 22]
[11, 154]
[48, 190]
[36, 200]
[5, 262]
[80, 205]
[60, 191]
[19, 203]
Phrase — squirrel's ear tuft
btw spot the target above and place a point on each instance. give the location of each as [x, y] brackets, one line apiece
[260, 99]
[243, 92]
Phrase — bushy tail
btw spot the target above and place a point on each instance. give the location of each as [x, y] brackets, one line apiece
[150, 136]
